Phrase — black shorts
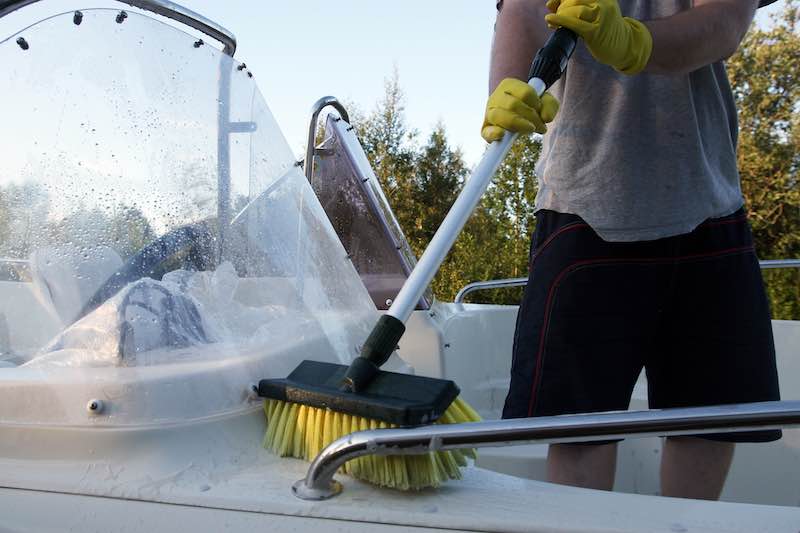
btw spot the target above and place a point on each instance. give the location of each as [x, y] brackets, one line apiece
[691, 310]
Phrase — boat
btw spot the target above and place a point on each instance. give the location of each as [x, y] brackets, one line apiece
[162, 249]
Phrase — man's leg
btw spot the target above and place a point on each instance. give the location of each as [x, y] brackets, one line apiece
[589, 315]
[715, 347]
[582, 465]
[694, 467]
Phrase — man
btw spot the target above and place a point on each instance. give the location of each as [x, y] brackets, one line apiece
[642, 255]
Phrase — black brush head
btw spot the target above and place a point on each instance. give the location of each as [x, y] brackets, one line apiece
[399, 399]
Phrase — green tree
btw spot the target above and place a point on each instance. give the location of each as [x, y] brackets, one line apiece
[765, 76]
[438, 174]
[389, 145]
[510, 200]
[495, 241]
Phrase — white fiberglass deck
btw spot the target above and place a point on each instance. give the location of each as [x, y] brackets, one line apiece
[218, 465]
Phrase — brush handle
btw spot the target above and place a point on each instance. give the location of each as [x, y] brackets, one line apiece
[547, 67]
[380, 344]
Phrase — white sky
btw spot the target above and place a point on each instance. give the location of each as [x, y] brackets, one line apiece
[300, 50]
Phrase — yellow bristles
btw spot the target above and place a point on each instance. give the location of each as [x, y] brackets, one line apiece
[301, 431]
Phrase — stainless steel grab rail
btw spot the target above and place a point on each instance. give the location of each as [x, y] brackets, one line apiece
[165, 8]
[316, 109]
[779, 263]
[521, 282]
[319, 483]
[485, 285]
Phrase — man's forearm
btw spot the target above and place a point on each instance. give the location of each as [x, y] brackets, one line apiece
[520, 31]
[709, 32]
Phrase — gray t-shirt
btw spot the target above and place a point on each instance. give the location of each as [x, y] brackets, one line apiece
[641, 157]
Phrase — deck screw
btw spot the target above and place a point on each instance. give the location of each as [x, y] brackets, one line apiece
[77, 18]
[23, 43]
[252, 392]
[95, 407]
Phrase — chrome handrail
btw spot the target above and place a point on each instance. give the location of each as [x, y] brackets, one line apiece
[485, 285]
[316, 109]
[779, 263]
[521, 282]
[164, 8]
[319, 483]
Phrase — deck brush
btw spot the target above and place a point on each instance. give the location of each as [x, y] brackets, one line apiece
[320, 402]
[302, 431]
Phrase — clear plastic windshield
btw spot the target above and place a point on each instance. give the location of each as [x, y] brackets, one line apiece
[157, 240]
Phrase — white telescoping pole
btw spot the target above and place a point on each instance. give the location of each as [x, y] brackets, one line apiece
[448, 232]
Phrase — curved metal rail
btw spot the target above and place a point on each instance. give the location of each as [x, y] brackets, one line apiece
[779, 263]
[319, 483]
[521, 282]
[316, 109]
[165, 8]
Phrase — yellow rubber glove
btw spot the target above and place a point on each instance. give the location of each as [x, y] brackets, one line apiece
[514, 106]
[621, 42]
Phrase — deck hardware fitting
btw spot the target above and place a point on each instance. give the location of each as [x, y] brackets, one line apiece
[121, 16]
[304, 492]
[77, 18]
[95, 407]
[252, 392]
[23, 43]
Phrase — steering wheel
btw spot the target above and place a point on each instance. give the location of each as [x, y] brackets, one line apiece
[194, 240]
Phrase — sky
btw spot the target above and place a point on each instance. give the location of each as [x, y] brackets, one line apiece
[300, 50]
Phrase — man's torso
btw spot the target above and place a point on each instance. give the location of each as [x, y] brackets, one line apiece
[641, 157]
